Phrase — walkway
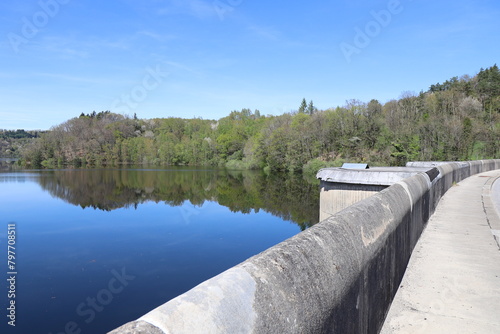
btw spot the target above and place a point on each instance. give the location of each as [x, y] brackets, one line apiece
[452, 284]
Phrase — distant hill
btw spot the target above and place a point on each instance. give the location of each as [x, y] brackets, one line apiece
[456, 120]
[12, 142]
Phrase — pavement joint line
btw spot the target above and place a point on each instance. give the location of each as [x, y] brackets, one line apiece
[490, 210]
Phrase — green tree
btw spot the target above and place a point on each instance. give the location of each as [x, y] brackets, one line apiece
[311, 109]
[303, 106]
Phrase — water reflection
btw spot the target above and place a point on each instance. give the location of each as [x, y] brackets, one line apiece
[289, 197]
[170, 228]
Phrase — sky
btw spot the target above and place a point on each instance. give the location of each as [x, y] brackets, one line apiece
[206, 58]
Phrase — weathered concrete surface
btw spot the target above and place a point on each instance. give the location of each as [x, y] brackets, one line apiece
[138, 327]
[385, 176]
[452, 284]
[339, 276]
[428, 163]
[222, 304]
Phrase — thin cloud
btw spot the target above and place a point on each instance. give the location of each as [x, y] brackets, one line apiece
[445, 31]
[197, 8]
[66, 77]
[60, 48]
[154, 35]
[265, 32]
[74, 47]
[80, 79]
[15, 117]
[182, 67]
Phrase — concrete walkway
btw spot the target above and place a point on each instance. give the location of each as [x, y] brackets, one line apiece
[452, 283]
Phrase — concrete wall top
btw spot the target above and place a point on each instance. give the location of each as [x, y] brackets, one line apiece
[373, 176]
[431, 163]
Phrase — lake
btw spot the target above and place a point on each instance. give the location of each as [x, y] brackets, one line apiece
[92, 249]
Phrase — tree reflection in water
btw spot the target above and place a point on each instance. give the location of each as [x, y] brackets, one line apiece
[289, 197]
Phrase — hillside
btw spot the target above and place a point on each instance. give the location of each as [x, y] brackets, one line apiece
[456, 120]
[13, 141]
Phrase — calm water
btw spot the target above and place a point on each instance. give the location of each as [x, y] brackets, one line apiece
[98, 248]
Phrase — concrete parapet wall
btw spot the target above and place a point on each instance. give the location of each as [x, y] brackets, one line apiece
[338, 276]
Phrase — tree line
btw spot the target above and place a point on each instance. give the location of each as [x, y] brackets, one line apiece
[12, 141]
[456, 120]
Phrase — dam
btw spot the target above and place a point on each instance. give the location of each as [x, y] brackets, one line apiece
[343, 274]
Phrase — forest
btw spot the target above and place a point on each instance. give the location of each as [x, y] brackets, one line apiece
[13, 141]
[456, 120]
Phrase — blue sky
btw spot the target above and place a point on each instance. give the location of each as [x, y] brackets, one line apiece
[205, 58]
